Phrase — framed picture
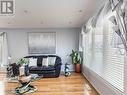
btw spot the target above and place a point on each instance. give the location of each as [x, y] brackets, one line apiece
[42, 42]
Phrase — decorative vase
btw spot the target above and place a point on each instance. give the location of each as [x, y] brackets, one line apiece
[78, 68]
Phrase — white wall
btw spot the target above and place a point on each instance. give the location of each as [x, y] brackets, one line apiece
[67, 39]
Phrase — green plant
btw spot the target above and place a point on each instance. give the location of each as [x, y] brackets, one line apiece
[75, 56]
[23, 61]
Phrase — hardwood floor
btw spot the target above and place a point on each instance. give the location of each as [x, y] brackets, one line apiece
[73, 85]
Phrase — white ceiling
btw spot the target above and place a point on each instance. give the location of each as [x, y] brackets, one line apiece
[50, 13]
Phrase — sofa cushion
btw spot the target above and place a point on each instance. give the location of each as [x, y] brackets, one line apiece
[32, 61]
[43, 68]
[45, 62]
[51, 61]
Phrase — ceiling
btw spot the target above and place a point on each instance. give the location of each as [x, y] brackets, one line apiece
[50, 13]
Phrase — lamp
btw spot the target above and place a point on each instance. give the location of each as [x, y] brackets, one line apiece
[9, 59]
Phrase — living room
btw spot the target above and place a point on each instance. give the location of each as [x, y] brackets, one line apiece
[63, 47]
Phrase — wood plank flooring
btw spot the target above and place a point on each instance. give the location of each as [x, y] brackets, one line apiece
[73, 85]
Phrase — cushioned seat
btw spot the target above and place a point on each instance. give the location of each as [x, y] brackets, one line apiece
[43, 68]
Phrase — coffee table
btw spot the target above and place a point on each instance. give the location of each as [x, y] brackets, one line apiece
[25, 86]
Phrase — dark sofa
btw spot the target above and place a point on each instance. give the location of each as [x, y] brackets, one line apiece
[46, 71]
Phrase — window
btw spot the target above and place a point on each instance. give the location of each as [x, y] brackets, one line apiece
[104, 54]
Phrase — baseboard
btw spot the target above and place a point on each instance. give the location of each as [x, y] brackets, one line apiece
[103, 87]
[62, 72]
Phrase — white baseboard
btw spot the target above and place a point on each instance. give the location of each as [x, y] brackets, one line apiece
[102, 86]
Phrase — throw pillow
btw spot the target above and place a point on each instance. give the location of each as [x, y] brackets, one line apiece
[45, 62]
[21, 70]
[52, 61]
[32, 61]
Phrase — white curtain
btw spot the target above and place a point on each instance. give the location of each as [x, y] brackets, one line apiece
[3, 49]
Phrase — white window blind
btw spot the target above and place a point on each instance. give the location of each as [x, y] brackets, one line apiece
[104, 54]
[113, 58]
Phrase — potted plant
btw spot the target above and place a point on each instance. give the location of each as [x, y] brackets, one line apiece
[23, 61]
[23, 69]
[76, 60]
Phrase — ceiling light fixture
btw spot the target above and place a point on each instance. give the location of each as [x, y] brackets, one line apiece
[9, 23]
[25, 11]
[79, 11]
[70, 22]
[42, 22]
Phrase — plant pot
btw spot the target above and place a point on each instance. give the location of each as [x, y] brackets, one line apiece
[78, 68]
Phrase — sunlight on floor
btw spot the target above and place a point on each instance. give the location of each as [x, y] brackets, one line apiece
[87, 89]
[2, 88]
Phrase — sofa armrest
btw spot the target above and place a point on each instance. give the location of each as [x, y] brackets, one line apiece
[58, 62]
[57, 65]
[57, 70]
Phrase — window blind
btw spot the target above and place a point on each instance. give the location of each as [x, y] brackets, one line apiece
[104, 54]
[113, 58]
